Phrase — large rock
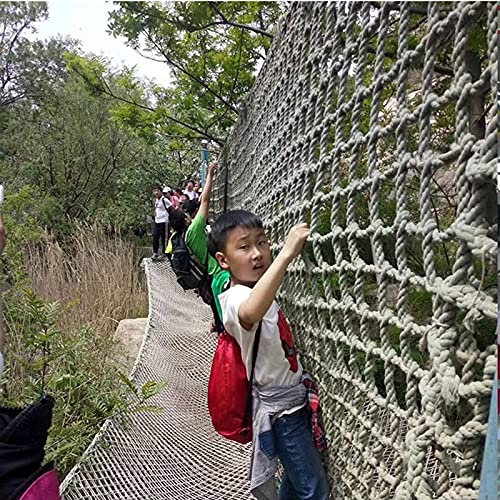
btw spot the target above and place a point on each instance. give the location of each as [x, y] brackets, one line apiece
[130, 332]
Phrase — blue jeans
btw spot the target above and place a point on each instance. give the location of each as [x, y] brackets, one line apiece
[305, 477]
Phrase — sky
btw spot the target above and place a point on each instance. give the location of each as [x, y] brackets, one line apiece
[86, 20]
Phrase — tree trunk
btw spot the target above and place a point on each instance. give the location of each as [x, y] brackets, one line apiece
[477, 127]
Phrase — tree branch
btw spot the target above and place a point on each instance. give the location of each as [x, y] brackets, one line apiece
[249, 49]
[108, 91]
[218, 118]
[191, 28]
[190, 75]
[9, 52]
[215, 8]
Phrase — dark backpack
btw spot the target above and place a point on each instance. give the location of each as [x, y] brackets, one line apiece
[191, 275]
[189, 271]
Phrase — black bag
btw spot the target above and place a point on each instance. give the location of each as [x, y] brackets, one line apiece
[191, 275]
[188, 271]
[23, 436]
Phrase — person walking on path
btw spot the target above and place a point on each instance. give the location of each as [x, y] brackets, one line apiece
[172, 196]
[190, 192]
[160, 229]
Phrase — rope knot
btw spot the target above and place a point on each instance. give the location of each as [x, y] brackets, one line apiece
[449, 387]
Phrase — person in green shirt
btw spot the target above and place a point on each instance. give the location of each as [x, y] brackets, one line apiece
[196, 237]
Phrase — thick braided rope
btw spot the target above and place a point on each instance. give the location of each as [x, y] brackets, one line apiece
[354, 126]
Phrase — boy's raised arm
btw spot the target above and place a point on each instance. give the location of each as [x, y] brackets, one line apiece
[207, 191]
[253, 309]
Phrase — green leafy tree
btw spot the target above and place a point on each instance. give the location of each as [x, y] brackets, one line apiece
[71, 149]
[28, 68]
[214, 50]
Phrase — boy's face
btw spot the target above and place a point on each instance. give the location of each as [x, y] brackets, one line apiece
[247, 254]
[157, 193]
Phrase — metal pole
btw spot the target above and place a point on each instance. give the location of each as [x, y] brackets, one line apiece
[204, 161]
[489, 469]
[226, 186]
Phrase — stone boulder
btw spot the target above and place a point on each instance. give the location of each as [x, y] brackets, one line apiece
[130, 333]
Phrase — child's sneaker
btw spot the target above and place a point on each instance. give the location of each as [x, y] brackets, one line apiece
[154, 256]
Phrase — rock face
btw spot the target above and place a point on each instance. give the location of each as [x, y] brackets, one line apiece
[130, 333]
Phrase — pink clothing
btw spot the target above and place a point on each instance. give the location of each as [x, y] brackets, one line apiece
[45, 487]
[175, 201]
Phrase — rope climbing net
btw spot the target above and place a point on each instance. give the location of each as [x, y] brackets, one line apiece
[175, 453]
[377, 125]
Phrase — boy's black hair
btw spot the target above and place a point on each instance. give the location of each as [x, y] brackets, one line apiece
[219, 230]
[177, 221]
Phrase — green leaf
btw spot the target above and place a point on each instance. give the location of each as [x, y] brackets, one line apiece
[152, 388]
[131, 386]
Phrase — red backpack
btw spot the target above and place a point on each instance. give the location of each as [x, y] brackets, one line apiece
[229, 390]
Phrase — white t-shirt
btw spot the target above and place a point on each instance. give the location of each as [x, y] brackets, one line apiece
[161, 213]
[192, 195]
[277, 360]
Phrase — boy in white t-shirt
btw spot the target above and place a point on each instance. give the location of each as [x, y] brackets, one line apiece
[280, 418]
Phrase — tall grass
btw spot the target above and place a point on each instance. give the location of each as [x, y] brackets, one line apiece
[99, 275]
[60, 325]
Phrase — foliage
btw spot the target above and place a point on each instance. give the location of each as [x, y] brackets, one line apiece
[65, 153]
[76, 368]
[77, 155]
[73, 149]
[83, 154]
[61, 310]
[27, 68]
[213, 49]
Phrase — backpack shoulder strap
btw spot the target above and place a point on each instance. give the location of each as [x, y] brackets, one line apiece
[255, 350]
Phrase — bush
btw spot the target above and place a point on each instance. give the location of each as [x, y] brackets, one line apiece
[60, 318]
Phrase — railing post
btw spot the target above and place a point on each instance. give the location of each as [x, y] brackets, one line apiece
[489, 469]
[204, 161]
[226, 184]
